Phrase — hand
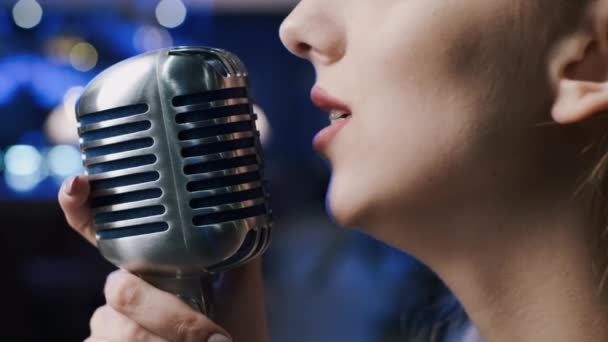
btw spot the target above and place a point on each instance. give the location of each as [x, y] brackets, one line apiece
[136, 311]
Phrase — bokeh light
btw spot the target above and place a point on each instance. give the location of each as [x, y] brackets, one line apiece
[22, 160]
[148, 38]
[27, 13]
[64, 161]
[171, 13]
[23, 167]
[61, 125]
[58, 48]
[83, 56]
[69, 101]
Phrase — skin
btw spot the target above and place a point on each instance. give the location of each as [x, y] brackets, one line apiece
[136, 311]
[465, 149]
[474, 125]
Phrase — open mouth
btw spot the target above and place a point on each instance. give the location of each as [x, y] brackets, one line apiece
[336, 115]
[338, 111]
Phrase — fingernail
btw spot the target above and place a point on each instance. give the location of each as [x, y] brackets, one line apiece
[218, 338]
[70, 186]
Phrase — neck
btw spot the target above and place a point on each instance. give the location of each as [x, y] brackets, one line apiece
[522, 276]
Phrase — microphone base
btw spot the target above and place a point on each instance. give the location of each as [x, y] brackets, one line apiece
[193, 291]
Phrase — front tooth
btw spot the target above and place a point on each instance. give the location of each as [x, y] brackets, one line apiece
[336, 114]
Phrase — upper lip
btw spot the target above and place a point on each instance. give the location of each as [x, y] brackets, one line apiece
[326, 102]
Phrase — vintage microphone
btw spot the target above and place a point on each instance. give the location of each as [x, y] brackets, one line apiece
[174, 160]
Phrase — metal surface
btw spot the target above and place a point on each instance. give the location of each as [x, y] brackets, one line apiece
[169, 142]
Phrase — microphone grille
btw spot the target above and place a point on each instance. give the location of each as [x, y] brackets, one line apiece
[223, 165]
[113, 141]
[175, 162]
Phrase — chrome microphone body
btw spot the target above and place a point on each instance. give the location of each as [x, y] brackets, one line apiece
[174, 160]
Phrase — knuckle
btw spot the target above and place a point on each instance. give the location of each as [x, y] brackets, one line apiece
[124, 293]
[84, 226]
[191, 328]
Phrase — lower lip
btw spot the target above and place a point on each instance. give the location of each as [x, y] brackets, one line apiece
[324, 138]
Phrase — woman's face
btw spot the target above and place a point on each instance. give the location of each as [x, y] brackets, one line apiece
[446, 100]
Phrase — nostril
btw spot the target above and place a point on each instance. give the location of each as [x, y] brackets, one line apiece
[303, 48]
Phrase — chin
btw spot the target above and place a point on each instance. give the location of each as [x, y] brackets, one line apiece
[346, 205]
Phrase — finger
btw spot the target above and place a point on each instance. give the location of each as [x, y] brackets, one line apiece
[95, 339]
[73, 197]
[108, 324]
[160, 312]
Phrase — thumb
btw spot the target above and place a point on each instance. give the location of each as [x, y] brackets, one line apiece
[73, 198]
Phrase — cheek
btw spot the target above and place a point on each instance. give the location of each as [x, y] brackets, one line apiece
[395, 156]
[407, 122]
[419, 138]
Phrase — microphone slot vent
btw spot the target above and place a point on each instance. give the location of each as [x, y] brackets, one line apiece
[213, 113]
[116, 182]
[206, 132]
[127, 197]
[112, 114]
[209, 96]
[220, 182]
[264, 240]
[129, 214]
[114, 131]
[219, 147]
[120, 164]
[221, 164]
[142, 229]
[229, 198]
[119, 147]
[230, 215]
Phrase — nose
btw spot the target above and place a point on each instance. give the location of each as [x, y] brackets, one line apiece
[315, 32]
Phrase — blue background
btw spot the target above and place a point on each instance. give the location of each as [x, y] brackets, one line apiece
[323, 283]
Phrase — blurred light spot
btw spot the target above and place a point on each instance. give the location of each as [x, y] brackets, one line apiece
[149, 38]
[262, 124]
[69, 101]
[171, 13]
[64, 161]
[22, 160]
[58, 49]
[61, 125]
[23, 165]
[83, 56]
[27, 13]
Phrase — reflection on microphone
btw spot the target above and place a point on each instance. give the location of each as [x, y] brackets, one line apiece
[174, 157]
